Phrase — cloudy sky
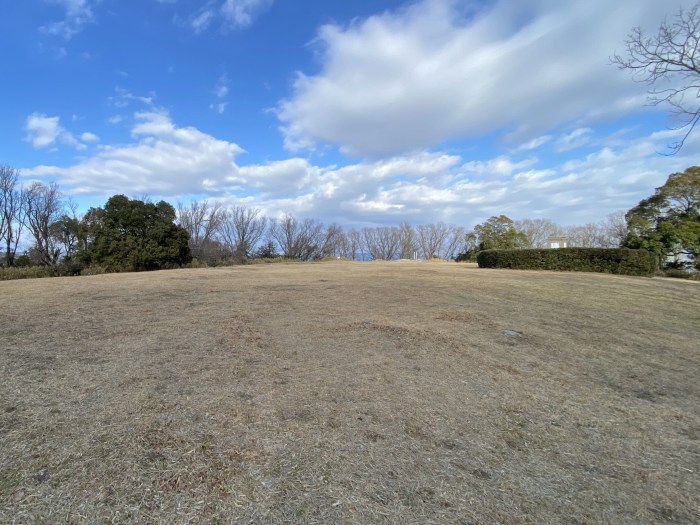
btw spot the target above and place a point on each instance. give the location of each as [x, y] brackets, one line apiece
[362, 112]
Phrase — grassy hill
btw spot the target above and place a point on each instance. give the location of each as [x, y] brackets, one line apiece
[350, 393]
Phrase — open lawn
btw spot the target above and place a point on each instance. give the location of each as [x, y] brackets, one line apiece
[401, 392]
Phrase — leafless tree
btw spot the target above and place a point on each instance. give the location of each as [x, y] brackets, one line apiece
[44, 208]
[382, 243]
[431, 238]
[454, 243]
[538, 231]
[613, 230]
[12, 207]
[672, 57]
[408, 241]
[297, 239]
[584, 236]
[333, 242]
[202, 220]
[353, 244]
[241, 229]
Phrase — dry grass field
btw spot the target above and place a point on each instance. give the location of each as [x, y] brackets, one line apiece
[400, 392]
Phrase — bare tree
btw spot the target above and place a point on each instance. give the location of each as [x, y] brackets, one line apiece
[382, 243]
[431, 238]
[12, 207]
[538, 231]
[613, 230]
[353, 244]
[297, 239]
[202, 220]
[408, 242]
[44, 206]
[671, 56]
[241, 229]
[584, 236]
[333, 242]
[454, 243]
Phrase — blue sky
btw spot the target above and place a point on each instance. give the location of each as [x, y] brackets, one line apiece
[362, 112]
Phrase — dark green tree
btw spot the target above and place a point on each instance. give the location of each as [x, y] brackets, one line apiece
[668, 222]
[266, 251]
[66, 232]
[499, 233]
[133, 235]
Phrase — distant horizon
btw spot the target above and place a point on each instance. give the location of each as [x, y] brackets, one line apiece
[367, 113]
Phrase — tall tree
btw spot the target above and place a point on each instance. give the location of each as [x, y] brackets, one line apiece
[12, 208]
[241, 229]
[668, 222]
[201, 219]
[334, 241]
[538, 231]
[432, 238]
[298, 239]
[44, 206]
[671, 58]
[613, 230]
[65, 231]
[587, 235]
[499, 232]
[353, 244]
[408, 242]
[454, 243]
[382, 243]
[134, 235]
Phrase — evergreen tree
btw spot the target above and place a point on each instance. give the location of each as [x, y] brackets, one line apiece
[668, 222]
[134, 235]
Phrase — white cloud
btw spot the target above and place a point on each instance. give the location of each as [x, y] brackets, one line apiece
[534, 143]
[576, 139]
[171, 161]
[439, 70]
[89, 137]
[221, 90]
[242, 13]
[499, 167]
[123, 98]
[78, 13]
[237, 14]
[202, 20]
[44, 131]
[219, 107]
[163, 160]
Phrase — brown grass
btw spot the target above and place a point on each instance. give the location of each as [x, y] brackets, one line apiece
[350, 393]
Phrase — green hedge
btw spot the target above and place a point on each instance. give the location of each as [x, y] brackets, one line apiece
[623, 261]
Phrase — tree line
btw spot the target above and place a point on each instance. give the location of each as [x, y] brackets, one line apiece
[133, 234]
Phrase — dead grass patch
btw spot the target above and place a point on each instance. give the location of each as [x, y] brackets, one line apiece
[349, 393]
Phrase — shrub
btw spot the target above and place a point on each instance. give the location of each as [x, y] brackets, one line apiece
[682, 274]
[622, 261]
[26, 272]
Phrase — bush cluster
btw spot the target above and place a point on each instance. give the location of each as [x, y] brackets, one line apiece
[623, 261]
[65, 269]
